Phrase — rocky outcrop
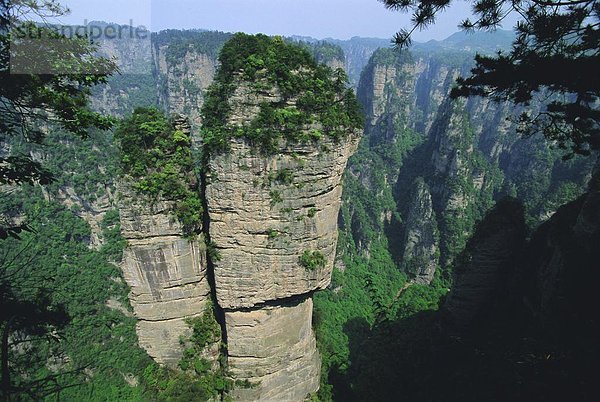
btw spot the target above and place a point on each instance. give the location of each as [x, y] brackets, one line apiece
[467, 151]
[262, 225]
[405, 88]
[183, 82]
[271, 222]
[421, 253]
[166, 273]
[266, 212]
[335, 64]
[274, 348]
[135, 84]
[487, 263]
[357, 52]
[563, 258]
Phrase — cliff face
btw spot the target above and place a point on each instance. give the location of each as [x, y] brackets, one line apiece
[421, 252]
[274, 346]
[265, 212]
[135, 85]
[467, 152]
[562, 252]
[269, 224]
[357, 52]
[183, 82]
[484, 268]
[166, 273]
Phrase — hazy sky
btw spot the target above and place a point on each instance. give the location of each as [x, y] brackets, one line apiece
[340, 19]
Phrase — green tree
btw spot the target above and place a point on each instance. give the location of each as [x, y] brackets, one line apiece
[555, 58]
[159, 156]
[317, 95]
[32, 103]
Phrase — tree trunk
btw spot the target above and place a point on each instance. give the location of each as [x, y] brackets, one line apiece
[5, 385]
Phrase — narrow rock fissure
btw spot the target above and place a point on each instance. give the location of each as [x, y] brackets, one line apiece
[290, 301]
[210, 267]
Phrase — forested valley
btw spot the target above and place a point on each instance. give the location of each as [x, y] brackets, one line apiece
[164, 218]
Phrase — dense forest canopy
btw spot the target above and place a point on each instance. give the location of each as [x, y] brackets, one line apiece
[319, 93]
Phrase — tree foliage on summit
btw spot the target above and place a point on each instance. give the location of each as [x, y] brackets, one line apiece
[314, 99]
[159, 156]
[555, 58]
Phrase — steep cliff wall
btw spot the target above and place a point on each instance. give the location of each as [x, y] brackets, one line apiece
[274, 346]
[166, 273]
[261, 226]
[271, 210]
[272, 204]
[421, 241]
[482, 272]
[468, 153]
[135, 84]
[183, 80]
[262, 223]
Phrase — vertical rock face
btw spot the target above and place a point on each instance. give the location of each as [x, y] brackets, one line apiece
[134, 85]
[274, 346]
[563, 262]
[272, 218]
[184, 81]
[166, 273]
[357, 52]
[262, 226]
[421, 252]
[486, 264]
[260, 282]
[467, 152]
[266, 212]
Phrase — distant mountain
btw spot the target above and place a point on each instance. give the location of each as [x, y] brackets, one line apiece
[358, 50]
[484, 42]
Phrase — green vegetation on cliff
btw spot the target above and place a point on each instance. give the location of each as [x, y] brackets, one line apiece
[372, 311]
[312, 260]
[72, 332]
[65, 307]
[199, 379]
[324, 52]
[314, 100]
[159, 156]
[180, 42]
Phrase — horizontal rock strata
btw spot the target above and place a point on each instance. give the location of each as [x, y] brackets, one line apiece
[274, 348]
[166, 273]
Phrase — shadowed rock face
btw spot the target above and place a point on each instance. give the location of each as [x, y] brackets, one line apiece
[421, 251]
[166, 273]
[487, 263]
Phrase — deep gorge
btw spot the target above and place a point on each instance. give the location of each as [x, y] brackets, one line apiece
[311, 258]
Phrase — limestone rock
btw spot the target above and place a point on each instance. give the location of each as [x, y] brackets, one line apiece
[166, 273]
[274, 346]
[265, 212]
[421, 251]
[185, 82]
[261, 228]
